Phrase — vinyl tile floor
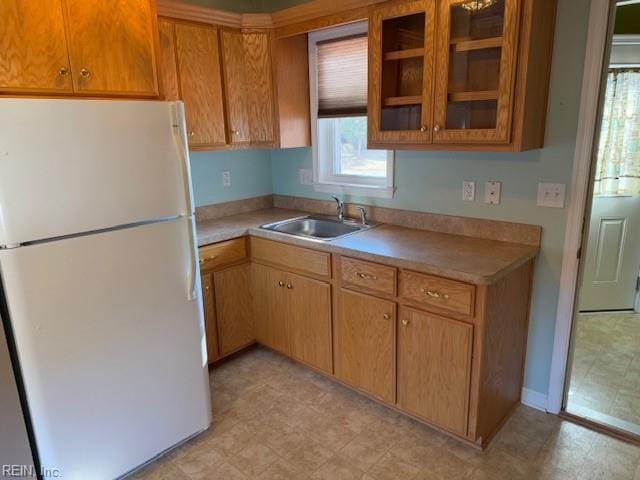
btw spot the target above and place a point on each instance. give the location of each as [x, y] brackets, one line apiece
[274, 419]
[605, 376]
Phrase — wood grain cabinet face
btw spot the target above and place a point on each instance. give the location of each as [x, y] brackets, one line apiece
[475, 65]
[198, 57]
[211, 329]
[401, 53]
[167, 66]
[434, 368]
[235, 86]
[309, 317]
[364, 343]
[234, 314]
[268, 287]
[112, 46]
[33, 47]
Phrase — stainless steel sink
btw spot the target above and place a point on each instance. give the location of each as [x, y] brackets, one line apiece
[317, 227]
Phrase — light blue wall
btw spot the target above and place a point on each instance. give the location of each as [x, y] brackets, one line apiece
[250, 175]
[432, 182]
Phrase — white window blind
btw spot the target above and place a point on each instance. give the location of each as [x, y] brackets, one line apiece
[342, 77]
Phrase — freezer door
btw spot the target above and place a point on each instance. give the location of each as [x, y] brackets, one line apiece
[70, 166]
[111, 349]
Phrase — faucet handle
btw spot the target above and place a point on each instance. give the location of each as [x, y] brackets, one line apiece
[363, 214]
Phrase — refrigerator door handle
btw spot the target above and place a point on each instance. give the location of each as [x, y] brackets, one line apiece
[182, 145]
[192, 293]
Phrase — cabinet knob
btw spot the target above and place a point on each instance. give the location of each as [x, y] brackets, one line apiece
[192, 133]
[206, 287]
[423, 128]
[289, 286]
[236, 132]
[405, 322]
[436, 128]
[434, 293]
[386, 316]
[84, 73]
[281, 284]
[63, 72]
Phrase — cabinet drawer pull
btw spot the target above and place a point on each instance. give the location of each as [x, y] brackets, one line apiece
[281, 284]
[366, 276]
[434, 293]
[405, 322]
[206, 259]
[386, 316]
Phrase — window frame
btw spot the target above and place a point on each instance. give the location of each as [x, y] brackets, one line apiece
[325, 179]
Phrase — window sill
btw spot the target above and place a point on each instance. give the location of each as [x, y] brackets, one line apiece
[358, 190]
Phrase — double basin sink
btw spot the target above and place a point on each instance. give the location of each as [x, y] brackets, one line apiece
[317, 227]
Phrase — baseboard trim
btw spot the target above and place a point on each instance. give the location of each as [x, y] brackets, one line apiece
[534, 399]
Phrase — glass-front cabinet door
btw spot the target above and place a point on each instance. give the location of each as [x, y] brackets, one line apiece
[401, 58]
[476, 55]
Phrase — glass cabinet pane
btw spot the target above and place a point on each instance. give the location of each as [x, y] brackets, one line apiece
[475, 53]
[402, 72]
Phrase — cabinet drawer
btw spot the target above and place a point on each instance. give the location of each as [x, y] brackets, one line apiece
[222, 253]
[378, 278]
[437, 292]
[292, 257]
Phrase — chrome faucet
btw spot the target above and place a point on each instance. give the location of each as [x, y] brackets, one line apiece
[340, 207]
[363, 215]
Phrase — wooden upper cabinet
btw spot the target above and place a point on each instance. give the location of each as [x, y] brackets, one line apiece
[112, 46]
[401, 52]
[200, 80]
[249, 88]
[476, 66]
[309, 315]
[235, 86]
[434, 368]
[33, 48]
[167, 64]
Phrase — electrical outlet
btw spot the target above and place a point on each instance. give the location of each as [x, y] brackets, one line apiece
[468, 191]
[306, 176]
[492, 193]
[551, 195]
[226, 179]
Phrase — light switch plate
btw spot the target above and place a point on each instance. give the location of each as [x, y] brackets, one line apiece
[492, 193]
[551, 195]
[468, 191]
[305, 176]
[226, 179]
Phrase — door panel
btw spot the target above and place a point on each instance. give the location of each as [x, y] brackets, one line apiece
[33, 47]
[109, 343]
[210, 324]
[260, 98]
[270, 312]
[234, 312]
[612, 253]
[167, 63]
[434, 368]
[475, 65]
[236, 85]
[309, 314]
[364, 342]
[114, 42]
[201, 83]
[401, 52]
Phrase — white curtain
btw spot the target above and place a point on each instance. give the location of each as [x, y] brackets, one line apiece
[618, 164]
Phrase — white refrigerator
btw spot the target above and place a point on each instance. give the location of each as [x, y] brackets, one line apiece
[100, 292]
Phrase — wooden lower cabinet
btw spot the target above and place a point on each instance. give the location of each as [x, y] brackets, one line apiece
[234, 314]
[434, 368]
[309, 316]
[209, 304]
[364, 342]
[270, 312]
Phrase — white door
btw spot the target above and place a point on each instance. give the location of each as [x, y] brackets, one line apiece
[71, 166]
[612, 255]
[111, 348]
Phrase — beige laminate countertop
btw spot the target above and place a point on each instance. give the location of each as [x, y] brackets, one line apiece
[458, 257]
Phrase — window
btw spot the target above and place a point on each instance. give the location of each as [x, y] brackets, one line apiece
[342, 163]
